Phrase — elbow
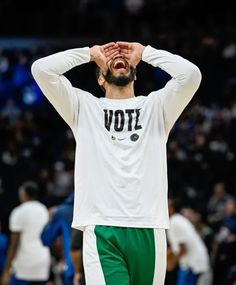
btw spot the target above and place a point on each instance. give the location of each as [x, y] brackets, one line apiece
[45, 242]
[46, 239]
[37, 68]
[191, 78]
[195, 76]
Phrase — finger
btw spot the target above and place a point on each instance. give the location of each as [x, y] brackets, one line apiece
[111, 52]
[124, 50]
[124, 44]
[113, 55]
[114, 47]
[125, 55]
[108, 45]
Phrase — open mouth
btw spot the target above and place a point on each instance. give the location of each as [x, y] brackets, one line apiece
[119, 64]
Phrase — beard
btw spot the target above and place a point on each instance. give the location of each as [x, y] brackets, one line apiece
[120, 80]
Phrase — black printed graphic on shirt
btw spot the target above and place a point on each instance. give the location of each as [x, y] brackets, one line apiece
[122, 120]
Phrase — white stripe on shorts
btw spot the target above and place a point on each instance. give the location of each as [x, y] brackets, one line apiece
[160, 256]
[92, 266]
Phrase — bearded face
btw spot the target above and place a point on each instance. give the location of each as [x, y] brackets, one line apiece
[120, 72]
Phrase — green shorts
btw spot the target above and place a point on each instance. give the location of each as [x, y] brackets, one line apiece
[124, 256]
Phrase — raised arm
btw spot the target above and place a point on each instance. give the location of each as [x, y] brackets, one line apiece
[48, 73]
[185, 81]
[178, 92]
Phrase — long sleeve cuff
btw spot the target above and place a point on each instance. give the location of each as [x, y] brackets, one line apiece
[148, 50]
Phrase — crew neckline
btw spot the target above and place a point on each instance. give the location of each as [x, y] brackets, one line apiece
[120, 100]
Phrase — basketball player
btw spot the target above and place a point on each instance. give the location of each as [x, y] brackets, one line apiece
[189, 251]
[28, 261]
[120, 161]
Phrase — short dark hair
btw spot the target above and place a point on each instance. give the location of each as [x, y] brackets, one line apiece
[31, 189]
[176, 203]
[98, 72]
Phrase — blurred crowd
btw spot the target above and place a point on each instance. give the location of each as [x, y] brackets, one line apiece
[37, 145]
[121, 19]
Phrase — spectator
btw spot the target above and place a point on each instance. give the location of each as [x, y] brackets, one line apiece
[201, 226]
[224, 269]
[186, 248]
[11, 111]
[62, 180]
[59, 226]
[27, 259]
[133, 6]
[216, 204]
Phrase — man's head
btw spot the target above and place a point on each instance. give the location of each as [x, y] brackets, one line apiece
[219, 189]
[28, 191]
[120, 73]
[230, 207]
[174, 205]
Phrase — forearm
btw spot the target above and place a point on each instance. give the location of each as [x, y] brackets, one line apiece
[48, 73]
[182, 251]
[61, 62]
[76, 260]
[178, 67]
[15, 237]
[10, 257]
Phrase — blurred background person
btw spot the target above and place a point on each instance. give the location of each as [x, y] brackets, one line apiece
[225, 247]
[216, 204]
[27, 259]
[201, 226]
[57, 235]
[186, 249]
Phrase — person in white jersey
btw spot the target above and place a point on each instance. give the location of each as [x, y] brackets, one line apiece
[120, 161]
[189, 252]
[28, 261]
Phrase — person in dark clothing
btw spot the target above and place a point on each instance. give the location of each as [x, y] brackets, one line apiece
[59, 226]
[224, 267]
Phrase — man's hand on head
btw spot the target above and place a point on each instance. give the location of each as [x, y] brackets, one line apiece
[102, 54]
[132, 52]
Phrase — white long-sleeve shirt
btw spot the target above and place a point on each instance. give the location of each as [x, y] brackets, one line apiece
[120, 162]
